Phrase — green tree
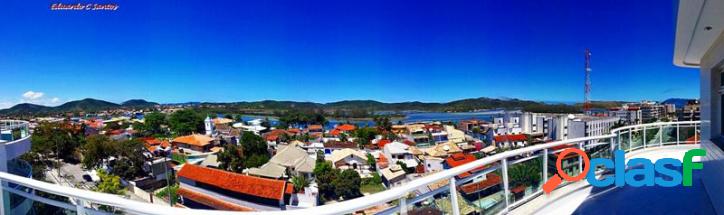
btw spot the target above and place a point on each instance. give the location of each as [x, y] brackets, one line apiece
[96, 148]
[184, 122]
[527, 173]
[152, 123]
[257, 160]
[109, 183]
[364, 135]
[129, 159]
[57, 139]
[325, 175]
[300, 182]
[253, 144]
[371, 161]
[347, 184]
[231, 158]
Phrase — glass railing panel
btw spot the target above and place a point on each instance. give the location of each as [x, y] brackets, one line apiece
[624, 141]
[669, 135]
[637, 139]
[485, 193]
[525, 177]
[653, 137]
[426, 200]
[687, 134]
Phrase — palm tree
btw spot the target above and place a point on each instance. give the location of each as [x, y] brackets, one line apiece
[299, 182]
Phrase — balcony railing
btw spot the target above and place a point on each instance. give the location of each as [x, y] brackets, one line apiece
[511, 168]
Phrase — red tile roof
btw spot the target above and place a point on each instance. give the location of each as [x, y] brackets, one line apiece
[211, 201]
[339, 144]
[290, 188]
[382, 143]
[409, 143]
[335, 132]
[294, 130]
[511, 138]
[382, 161]
[491, 179]
[194, 139]
[254, 186]
[345, 127]
[459, 159]
[314, 127]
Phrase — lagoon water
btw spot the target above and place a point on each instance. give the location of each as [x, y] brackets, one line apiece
[409, 118]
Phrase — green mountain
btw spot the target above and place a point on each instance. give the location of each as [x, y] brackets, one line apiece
[25, 109]
[355, 107]
[86, 105]
[138, 103]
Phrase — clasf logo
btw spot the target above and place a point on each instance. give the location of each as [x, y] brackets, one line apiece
[668, 175]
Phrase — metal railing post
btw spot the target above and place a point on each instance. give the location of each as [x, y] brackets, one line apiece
[661, 135]
[643, 137]
[80, 207]
[454, 197]
[630, 138]
[545, 165]
[677, 134]
[403, 206]
[696, 133]
[580, 158]
[504, 162]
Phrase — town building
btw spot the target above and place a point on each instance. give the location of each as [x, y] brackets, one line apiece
[194, 142]
[207, 188]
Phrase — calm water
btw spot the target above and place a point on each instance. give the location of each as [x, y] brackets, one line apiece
[409, 118]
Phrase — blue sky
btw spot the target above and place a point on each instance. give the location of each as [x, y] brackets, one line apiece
[171, 51]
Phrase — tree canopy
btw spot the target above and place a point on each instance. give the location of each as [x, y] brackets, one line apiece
[185, 122]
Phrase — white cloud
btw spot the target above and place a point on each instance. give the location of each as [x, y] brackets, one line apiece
[6, 104]
[55, 100]
[30, 95]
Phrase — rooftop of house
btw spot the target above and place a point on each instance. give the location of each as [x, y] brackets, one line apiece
[344, 153]
[339, 144]
[443, 149]
[397, 148]
[491, 179]
[211, 201]
[194, 139]
[292, 156]
[345, 127]
[249, 185]
[315, 127]
[459, 159]
[511, 138]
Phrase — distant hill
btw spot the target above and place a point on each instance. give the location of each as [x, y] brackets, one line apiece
[26, 109]
[678, 102]
[359, 107]
[84, 105]
[138, 103]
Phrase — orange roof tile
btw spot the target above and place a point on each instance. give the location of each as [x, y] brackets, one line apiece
[345, 127]
[194, 139]
[314, 127]
[459, 159]
[511, 138]
[211, 201]
[491, 179]
[382, 143]
[255, 186]
[335, 132]
[382, 161]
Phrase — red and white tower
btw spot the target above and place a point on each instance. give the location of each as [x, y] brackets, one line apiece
[587, 86]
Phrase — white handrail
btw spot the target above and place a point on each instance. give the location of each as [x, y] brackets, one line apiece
[348, 206]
